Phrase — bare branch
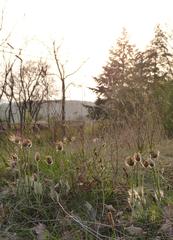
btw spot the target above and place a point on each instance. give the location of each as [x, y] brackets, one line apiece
[2, 19]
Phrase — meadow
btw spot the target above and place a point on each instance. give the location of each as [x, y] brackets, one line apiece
[84, 186]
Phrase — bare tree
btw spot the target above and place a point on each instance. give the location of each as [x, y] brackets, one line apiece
[28, 86]
[4, 69]
[63, 76]
[2, 41]
[9, 94]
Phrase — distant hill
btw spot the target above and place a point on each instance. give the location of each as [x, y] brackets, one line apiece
[75, 110]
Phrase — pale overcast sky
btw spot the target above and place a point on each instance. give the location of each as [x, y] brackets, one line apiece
[86, 29]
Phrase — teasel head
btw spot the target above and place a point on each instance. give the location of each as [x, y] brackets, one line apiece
[162, 171]
[130, 162]
[145, 163]
[137, 157]
[13, 160]
[15, 139]
[37, 156]
[18, 140]
[100, 160]
[73, 139]
[95, 152]
[12, 138]
[59, 146]
[103, 145]
[26, 143]
[35, 177]
[13, 164]
[49, 160]
[151, 164]
[95, 140]
[161, 193]
[14, 157]
[154, 155]
[65, 140]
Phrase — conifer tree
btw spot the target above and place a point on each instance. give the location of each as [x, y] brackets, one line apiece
[116, 77]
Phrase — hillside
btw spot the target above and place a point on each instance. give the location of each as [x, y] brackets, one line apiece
[74, 110]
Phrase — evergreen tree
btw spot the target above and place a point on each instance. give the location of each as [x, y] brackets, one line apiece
[116, 77]
[137, 82]
[159, 65]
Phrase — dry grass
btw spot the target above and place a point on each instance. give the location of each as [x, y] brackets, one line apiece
[76, 193]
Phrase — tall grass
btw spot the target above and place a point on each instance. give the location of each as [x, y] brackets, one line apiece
[71, 191]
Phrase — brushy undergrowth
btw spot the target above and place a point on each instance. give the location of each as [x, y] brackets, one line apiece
[61, 190]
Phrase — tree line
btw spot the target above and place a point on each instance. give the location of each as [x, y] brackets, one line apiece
[135, 88]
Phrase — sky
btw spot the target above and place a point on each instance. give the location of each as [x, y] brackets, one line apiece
[85, 29]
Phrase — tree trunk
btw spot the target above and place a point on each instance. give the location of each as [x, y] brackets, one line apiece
[63, 113]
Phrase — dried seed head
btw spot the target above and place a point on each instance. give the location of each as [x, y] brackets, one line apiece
[65, 140]
[137, 157]
[37, 156]
[59, 146]
[14, 157]
[151, 164]
[12, 138]
[154, 154]
[13, 160]
[130, 162]
[159, 194]
[34, 177]
[73, 138]
[49, 160]
[18, 140]
[162, 193]
[95, 140]
[145, 163]
[104, 145]
[26, 143]
[15, 139]
[95, 152]
[13, 164]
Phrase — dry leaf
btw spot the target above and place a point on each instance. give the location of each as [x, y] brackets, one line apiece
[111, 219]
[168, 212]
[110, 208]
[167, 228]
[2, 211]
[119, 214]
[91, 211]
[69, 235]
[40, 230]
[157, 238]
[134, 230]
